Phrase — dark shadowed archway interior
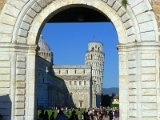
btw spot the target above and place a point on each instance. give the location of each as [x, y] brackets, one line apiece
[79, 14]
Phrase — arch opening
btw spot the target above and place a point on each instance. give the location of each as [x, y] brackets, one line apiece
[58, 17]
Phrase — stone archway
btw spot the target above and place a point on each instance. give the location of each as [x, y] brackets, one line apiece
[136, 25]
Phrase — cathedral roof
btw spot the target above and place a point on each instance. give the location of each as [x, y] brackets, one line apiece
[72, 66]
[43, 46]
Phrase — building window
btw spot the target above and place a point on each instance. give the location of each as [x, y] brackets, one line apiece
[75, 71]
[84, 71]
[79, 82]
[66, 71]
[84, 82]
[75, 83]
[80, 103]
[92, 48]
[70, 82]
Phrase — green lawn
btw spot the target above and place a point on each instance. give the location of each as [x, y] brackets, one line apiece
[67, 113]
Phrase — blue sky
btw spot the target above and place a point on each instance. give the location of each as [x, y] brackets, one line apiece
[69, 43]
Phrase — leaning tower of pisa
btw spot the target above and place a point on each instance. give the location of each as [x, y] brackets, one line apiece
[95, 58]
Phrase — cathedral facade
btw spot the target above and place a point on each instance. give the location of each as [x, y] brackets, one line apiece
[70, 85]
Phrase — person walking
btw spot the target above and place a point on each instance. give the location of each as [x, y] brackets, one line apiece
[41, 115]
[74, 116]
[106, 116]
[61, 115]
[110, 115]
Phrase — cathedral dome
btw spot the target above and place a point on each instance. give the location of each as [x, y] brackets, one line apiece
[44, 51]
[43, 46]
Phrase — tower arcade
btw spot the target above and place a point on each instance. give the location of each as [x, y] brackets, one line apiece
[95, 58]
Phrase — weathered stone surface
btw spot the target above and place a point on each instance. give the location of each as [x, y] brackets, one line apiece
[10, 10]
[5, 38]
[148, 77]
[148, 56]
[110, 2]
[20, 84]
[20, 64]
[149, 63]
[36, 7]
[20, 91]
[147, 106]
[22, 40]
[4, 84]
[11, 20]
[121, 11]
[4, 91]
[149, 91]
[20, 105]
[20, 77]
[20, 98]
[4, 77]
[22, 33]
[31, 13]
[19, 112]
[20, 71]
[5, 64]
[25, 26]
[4, 71]
[148, 36]
[28, 19]
[150, 70]
[149, 99]
[17, 3]
[140, 8]
[21, 58]
[116, 6]
[147, 26]
[5, 28]
[125, 17]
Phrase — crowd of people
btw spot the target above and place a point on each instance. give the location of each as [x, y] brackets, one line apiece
[85, 114]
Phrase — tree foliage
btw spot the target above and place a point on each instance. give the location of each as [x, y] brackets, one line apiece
[124, 3]
[106, 100]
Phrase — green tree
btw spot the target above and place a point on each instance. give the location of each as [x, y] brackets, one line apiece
[124, 3]
[106, 100]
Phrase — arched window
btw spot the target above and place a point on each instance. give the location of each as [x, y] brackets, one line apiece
[84, 82]
[75, 83]
[79, 82]
[84, 71]
[92, 48]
